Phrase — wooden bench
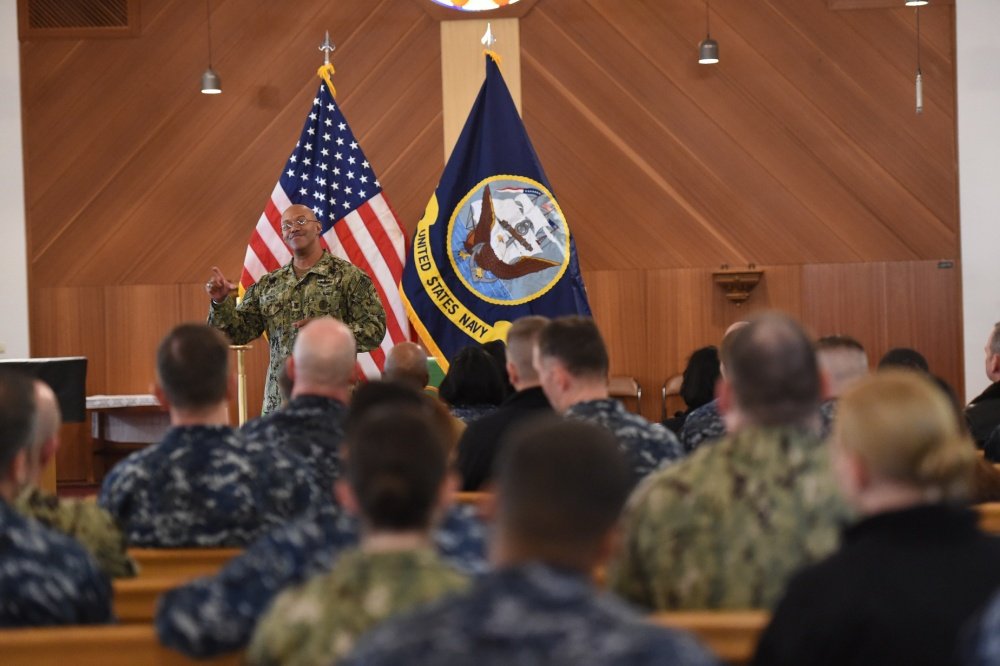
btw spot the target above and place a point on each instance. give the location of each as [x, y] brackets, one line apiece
[471, 498]
[731, 635]
[94, 646]
[135, 598]
[989, 517]
[181, 562]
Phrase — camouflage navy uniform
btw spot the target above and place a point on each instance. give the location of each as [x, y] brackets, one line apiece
[86, 522]
[529, 614]
[47, 578]
[205, 486]
[332, 287]
[214, 615]
[320, 621]
[311, 426]
[726, 527]
[703, 424]
[647, 446]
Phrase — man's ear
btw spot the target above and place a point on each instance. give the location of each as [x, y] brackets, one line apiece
[994, 366]
[825, 385]
[724, 394]
[512, 373]
[161, 396]
[488, 505]
[18, 470]
[346, 498]
[290, 368]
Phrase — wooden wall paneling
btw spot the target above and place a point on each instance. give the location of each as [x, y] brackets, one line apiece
[847, 299]
[136, 319]
[922, 304]
[858, 108]
[618, 303]
[701, 129]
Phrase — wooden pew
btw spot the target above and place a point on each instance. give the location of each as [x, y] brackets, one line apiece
[135, 598]
[94, 646]
[731, 635]
[471, 498]
[989, 517]
[181, 562]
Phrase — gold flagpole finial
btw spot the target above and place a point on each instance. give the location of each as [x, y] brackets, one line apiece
[326, 71]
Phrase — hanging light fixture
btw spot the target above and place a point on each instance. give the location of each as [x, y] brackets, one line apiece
[211, 84]
[708, 49]
[920, 75]
[916, 3]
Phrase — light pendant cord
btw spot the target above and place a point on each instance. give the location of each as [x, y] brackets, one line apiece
[920, 75]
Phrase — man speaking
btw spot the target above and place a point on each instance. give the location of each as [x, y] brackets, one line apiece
[313, 284]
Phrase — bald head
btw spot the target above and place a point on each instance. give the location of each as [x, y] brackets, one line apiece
[727, 341]
[407, 364]
[323, 359]
[45, 439]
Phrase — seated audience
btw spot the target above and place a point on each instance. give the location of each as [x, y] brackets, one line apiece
[472, 387]
[312, 423]
[705, 424]
[904, 358]
[915, 568]
[46, 578]
[203, 484]
[407, 364]
[697, 385]
[218, 614]
[983, 413]
[560, 488]
[397, 483]
[480, 443]
[727, 526]
[81, 519]
[572, 366]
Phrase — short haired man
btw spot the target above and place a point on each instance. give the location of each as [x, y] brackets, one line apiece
[313, 284]
[397, 482]
[480, 443]
[204, 485]
[46, 578]
[217, 614]
[728, 525]
[83, 520]
[312, 423]
[572, 365]
[560, 488]
[843, 361]
[983, 413]
[705, 424]
[407, 364]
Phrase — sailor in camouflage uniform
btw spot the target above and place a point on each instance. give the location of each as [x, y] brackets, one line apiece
[703, 424]
[81, 519]
[312, 423]
[204, 484]
[561, 486]
[572, 365]
[397, 477]
[313, 284]
[46, 578]
[726, 527]
[215, 615]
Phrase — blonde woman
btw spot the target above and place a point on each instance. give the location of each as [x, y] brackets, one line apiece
[914, 568]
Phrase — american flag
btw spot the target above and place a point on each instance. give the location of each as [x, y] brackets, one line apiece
[329, 173]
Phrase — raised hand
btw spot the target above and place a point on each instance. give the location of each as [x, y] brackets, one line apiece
[218, 287]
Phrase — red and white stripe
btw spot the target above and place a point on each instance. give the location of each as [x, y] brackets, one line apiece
[370, 237]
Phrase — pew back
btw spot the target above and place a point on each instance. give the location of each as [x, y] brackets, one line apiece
[731, 635]
[181, 562]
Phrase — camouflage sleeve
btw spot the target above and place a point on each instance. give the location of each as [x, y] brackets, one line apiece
[241, 323]
[280, 634]
[86, 522]
[627, 573]
[364, 314]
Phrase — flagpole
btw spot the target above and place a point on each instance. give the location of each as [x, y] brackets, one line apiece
[326, 71]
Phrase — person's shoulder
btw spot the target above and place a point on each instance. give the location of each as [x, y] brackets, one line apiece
[416, 636]
[30, 539]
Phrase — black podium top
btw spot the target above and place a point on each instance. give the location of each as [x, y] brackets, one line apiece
[66, 375]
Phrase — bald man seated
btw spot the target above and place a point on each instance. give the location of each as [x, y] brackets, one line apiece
[83, 520]
[313, 284]
[407, 364]
[321, 369]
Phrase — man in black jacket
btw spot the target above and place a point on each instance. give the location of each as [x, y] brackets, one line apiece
[480, 442]
[983, 413]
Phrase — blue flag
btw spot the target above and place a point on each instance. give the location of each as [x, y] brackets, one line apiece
[493, 244]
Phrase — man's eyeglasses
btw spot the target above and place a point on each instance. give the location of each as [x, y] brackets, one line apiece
[301, 222]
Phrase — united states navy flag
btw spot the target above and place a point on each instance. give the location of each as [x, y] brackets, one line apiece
[493, 244]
